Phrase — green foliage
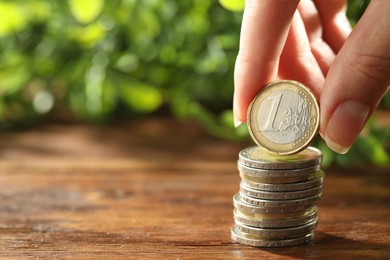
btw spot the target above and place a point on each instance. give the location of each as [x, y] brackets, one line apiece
[86, 11]
[233, 5]
[101, 59]
[104, 58]
[356, 9]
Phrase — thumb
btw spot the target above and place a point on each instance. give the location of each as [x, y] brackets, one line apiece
[357, 79]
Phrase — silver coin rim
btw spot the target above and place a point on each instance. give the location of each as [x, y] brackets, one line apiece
[241, 206]
[317, 181]
[279, 223]
[279, 195]
[250, 241]
[266, 173]
[281, 180]
[279, 165]
[280, 203]
[277, 233]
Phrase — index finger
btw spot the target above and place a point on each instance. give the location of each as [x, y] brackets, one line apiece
[264, 31]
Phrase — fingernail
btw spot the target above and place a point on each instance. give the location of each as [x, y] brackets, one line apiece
[345, 125]
[237, 121]
[335, 146]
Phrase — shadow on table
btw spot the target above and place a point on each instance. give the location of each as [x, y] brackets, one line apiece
[327, 246]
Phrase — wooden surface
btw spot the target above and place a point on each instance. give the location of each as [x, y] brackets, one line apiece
[155, 188]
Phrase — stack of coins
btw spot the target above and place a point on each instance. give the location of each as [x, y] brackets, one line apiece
[281, 179]
[275, 206]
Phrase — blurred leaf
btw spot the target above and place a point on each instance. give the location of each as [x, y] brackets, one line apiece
[386, 101]
[13, 78]
[127, 62]
[12, 19]
[209, 122]
[226, 118]
[233, 5]
[86, 11]
[356, 9]
[353, 157]
[88, 35]
[180, 104]
[242, 131]
[144, 25]
[141, 97]
[109, 96]
[372, 149]
[40, 10]
[94, 79]
[382, 133]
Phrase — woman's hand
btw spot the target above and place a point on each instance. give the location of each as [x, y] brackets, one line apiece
[310, 41]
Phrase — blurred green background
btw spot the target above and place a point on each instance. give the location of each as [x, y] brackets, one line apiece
[97, 60]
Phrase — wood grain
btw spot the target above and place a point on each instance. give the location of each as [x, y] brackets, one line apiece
[160, 189]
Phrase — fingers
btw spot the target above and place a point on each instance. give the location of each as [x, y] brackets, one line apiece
[263, 33]
[336, 27]
[320, 49]
[297, 61]
[358, 78]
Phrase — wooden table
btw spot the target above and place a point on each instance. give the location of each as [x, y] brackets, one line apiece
[158, 188]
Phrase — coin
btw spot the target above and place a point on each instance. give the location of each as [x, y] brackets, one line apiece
[317, 180]
[253, 241]
[259, 158]
[279, 176]
[283, 117]
[275, 223]
[275, 216]
[272, 195]
[252, 209]
[284, 180]
[277, 233]
[279, 203]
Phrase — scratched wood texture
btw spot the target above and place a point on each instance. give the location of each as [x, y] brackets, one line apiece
[154, 188]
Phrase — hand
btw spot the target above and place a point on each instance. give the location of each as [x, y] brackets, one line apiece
[310, 41]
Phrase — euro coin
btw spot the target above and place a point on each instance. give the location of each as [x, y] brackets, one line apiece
[275, 216]
[259, 158]
[278, 180]
[253, 241]
[277, 195]
[265, 203]
[277, 233]
[276, 223]
[317, 180]
[284, 117]
[247, 208]
[278, 176]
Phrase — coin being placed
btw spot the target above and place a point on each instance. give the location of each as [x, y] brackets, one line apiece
[284, 117]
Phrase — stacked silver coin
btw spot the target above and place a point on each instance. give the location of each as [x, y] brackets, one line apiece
[276, 204]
